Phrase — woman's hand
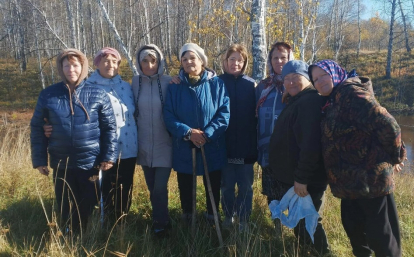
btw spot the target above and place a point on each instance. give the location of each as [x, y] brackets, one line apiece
[175, 80]
[106, 166]
[197, 137]
[43, 170]
[301, 189]
[398, 167]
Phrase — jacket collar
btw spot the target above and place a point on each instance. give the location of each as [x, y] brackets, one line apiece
[205, 76]
[97, 79]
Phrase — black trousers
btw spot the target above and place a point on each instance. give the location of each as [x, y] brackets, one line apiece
[372, 225]
[117, 187]
[185, 185]
[76, 193]
[316, 193]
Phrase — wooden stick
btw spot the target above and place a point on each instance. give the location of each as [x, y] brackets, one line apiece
[193, 217]
[213, 203]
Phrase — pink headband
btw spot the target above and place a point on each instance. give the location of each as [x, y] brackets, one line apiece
[104, 52]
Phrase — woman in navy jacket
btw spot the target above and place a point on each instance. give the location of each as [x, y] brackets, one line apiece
[241, 138]
[84, 136]
[196, 113]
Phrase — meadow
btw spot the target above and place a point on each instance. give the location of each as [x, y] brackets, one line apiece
[29, 223]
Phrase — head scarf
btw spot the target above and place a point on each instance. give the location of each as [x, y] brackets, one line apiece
[337, 73]
[274, 80]
[105, 51]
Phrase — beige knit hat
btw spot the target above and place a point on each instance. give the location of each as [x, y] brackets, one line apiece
[195, 49]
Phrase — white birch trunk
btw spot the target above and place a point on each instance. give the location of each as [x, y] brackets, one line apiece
[146, 22]
[71, 24]
[39, 59]
[359, 28]
[259, 39]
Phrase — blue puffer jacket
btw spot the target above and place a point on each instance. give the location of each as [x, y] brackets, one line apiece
[241, 135]
[84, 128]
[205, 106]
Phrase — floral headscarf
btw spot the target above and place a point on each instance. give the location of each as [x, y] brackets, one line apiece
[337, 73]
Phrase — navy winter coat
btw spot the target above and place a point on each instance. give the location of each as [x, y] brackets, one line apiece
[84, 128]
[205, 106]
[241, 135]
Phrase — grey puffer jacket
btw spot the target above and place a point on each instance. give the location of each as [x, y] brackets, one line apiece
[154, 141]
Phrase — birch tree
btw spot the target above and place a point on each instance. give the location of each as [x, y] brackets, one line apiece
[259, 39]
[71, 24]
[390, 41]
[406, 36]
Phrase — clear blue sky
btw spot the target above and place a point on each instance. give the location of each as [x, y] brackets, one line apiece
[371, 7]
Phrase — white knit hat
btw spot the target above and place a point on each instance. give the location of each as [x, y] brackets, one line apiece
[195, 49]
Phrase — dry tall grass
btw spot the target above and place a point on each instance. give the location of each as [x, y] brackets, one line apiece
[28, 224]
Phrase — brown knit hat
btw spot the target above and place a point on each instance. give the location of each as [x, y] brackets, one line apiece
[82, 59]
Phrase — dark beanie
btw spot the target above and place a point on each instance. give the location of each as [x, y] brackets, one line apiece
[295, 66]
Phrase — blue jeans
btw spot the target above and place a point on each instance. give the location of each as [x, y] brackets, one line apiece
[241, 205]
[157, 182]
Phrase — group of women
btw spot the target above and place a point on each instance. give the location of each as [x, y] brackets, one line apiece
[306, 126]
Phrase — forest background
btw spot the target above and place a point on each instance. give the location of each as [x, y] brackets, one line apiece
[32, 32]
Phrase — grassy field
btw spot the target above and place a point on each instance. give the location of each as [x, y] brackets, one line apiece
[28, 224]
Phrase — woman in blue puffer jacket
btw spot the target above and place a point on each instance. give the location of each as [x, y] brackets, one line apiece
[197, 113]
[84, 136]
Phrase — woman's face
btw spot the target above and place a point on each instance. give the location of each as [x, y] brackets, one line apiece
[191, 63]
[279, 58]
[235, 64]
[149, 66]
[72, 70]
[322, 81]
[108, 66]
[295, 83]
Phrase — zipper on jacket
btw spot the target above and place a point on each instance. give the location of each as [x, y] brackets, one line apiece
[152, 123]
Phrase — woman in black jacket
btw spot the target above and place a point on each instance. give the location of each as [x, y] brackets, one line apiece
[295, 154]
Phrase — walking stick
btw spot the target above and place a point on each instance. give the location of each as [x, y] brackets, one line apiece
[213, 203]
[193, 216]
[101, 200]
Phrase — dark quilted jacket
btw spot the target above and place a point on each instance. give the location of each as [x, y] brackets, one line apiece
[241, 135]
[361, 142]
[295, 152]
[84, 138]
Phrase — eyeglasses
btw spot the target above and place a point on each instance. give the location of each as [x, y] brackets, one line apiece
[234, 60]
